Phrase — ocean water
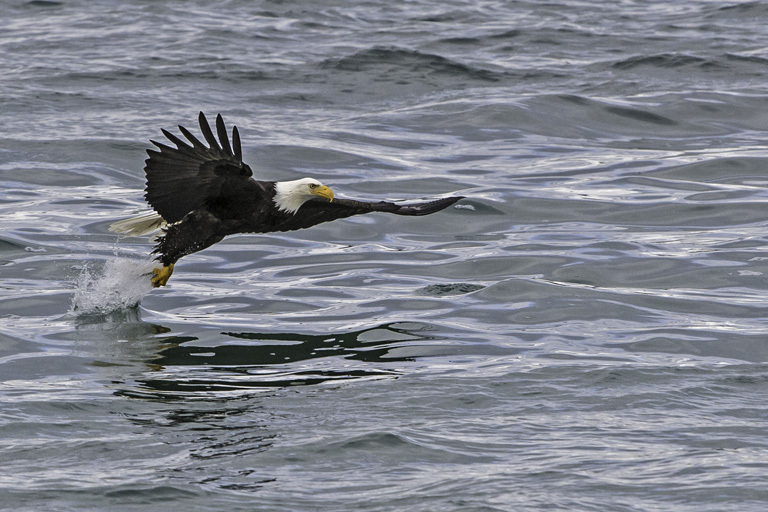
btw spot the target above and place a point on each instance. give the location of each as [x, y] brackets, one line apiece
[585, 332]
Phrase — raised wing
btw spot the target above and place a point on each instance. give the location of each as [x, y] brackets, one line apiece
[187, 177]
[317, 211]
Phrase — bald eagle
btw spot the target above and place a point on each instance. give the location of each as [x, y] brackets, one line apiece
[200, 194]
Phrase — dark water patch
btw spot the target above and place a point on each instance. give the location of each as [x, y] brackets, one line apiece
[507, 34]
[148, 494]
[221, 72]
[667, 60]
[376, 441]
[751, 11]
[383, 60]
[748, 378]
[461, 41]
[284, 348]
[640, 115]
[44, 3]
[747, 59]
[445, 17]
[116, 496]
[260, 382]
[12, 246]
[278, 360]
[575, 99]
[442, 290]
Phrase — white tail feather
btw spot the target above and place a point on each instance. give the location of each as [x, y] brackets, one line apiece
[140, 225]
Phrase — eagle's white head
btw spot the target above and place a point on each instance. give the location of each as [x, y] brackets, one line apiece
[290, 195]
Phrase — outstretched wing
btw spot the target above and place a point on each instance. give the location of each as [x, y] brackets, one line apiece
[185, 178]
[317, 211]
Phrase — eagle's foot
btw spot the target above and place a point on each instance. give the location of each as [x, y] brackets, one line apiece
[160, 276]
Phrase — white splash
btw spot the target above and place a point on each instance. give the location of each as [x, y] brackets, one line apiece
[121, 284]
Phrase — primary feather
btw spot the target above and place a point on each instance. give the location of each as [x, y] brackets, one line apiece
[201, 193]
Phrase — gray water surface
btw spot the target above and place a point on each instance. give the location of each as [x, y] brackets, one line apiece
[586, 331]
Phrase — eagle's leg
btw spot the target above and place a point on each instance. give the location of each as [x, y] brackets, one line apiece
[198, 230]
[160, 276]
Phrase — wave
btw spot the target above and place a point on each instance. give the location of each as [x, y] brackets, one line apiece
[383, 58]
[666, 60]
[753, 11]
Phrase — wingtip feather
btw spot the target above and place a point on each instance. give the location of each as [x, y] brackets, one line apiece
[236, 142]
[429, 207]
[208, 133]
[221, 129]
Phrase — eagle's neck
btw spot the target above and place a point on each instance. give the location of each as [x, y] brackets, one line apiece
[290, 195]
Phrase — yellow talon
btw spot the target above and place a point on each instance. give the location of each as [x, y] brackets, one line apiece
[160, 276]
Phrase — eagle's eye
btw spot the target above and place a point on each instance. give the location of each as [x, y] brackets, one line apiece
[312, 186]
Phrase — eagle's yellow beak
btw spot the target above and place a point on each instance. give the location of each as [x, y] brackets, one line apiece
[323, 191]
